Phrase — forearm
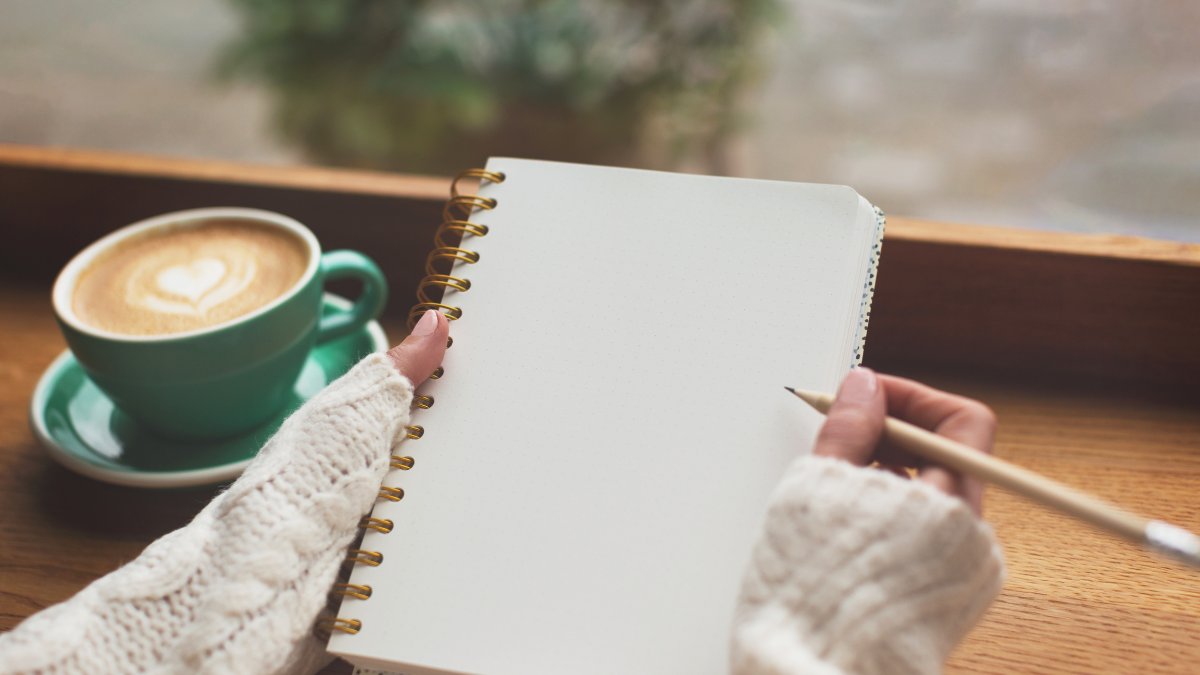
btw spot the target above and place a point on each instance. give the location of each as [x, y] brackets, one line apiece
[861, 572]
[237, 590]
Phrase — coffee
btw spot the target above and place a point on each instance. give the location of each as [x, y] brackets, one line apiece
[189, 277]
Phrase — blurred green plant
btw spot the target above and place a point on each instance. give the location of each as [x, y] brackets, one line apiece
[415, 85]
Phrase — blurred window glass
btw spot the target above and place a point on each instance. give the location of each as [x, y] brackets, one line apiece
[1061, 114]
[1081, 115]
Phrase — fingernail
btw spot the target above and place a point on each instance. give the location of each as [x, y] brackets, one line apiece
[427, 324]
[859, 386]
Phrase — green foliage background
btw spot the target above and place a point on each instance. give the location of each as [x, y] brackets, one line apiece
[422, 86]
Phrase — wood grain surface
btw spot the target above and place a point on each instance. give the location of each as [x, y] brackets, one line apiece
[1110, 246]
[1076, 601]
[84, 160]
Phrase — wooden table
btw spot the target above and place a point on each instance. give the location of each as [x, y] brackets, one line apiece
[1084, 347]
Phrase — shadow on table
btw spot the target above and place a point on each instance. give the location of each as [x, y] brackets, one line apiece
[85, 504]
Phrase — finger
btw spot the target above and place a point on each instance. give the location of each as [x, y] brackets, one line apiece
[890, 453]
[959, 418]
[898, 470]
[421, 352]
[854, 422]
[971, 490]
[942, 479]
[965, 420]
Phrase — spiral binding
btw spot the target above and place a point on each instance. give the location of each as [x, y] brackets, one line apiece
[353, 590]
[378, 524]
[391, 494]
[372, 558]
[454, 220]
[350, 626]
[458, 205]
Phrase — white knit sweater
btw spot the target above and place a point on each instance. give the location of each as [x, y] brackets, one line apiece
[857, 571]
[860, 571]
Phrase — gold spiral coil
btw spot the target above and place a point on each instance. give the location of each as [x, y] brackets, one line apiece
[455, 216]
[414, 314]
[449, 253]
[425, 402]
[357, 555]
[415, 432]
[484, 174]
[443, 280]
[465, 204]
[438, 372]
[378, 524]
[402, 463]
[391, 494]
[432, 278]
[463, 227]
[352, 590]
[350, 626]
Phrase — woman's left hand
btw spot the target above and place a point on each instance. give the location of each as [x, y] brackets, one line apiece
[421, 352]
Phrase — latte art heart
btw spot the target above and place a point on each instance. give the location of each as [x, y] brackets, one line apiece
[188, 278]
[194, 280]
[204, 283]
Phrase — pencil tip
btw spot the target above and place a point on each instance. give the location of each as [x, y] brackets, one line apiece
[814, 398]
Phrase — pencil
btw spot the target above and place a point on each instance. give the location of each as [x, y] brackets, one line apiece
[1161, 537]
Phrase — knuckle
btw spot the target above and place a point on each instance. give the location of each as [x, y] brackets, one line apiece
[982, 416]
[974, 424]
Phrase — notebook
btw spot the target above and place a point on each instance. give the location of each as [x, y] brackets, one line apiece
[599, 452]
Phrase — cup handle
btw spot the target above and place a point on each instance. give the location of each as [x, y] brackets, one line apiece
[352, 265]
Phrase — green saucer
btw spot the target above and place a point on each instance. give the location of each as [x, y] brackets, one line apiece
[84, 432]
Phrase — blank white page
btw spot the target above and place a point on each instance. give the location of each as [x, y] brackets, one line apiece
[611, 421]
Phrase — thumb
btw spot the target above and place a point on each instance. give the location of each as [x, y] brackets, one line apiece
[423, 349]
[854, 423]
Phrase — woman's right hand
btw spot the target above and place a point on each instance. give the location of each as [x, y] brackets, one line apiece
[854, 427]
[855, 572]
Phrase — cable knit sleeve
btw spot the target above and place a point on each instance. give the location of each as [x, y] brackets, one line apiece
[238, 589]
[861, 572]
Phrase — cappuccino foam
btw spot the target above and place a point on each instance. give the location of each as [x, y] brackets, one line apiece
[188, 277]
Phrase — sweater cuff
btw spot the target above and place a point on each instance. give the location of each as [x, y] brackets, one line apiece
[375, 390]
[860, 571]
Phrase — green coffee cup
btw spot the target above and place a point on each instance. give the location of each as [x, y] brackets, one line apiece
[227, 378]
